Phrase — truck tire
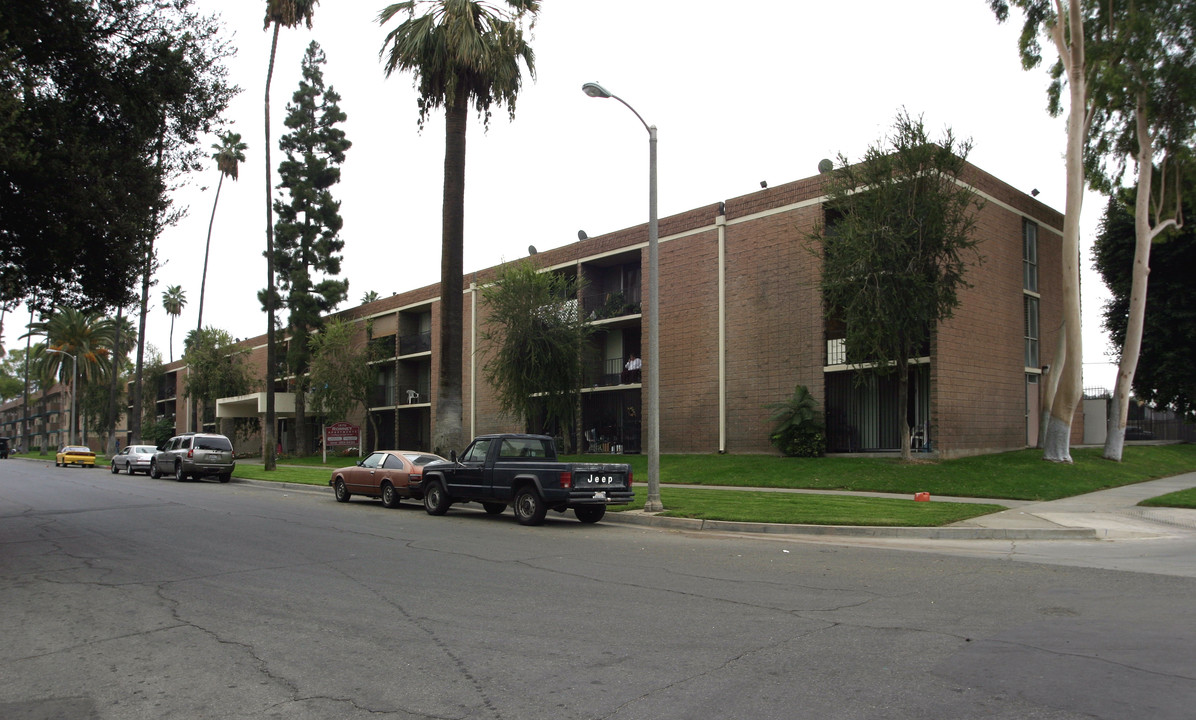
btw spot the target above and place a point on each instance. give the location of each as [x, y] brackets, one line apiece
[590, 513]
[530, 508]
[154, 472]
[436, 500]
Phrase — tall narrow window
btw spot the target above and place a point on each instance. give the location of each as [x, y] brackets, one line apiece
[1030, 255]
[1031, 307]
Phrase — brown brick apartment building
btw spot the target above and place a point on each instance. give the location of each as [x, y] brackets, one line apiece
[741, 324]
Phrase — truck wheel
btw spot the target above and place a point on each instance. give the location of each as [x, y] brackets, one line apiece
[390, 496]
[530, 508]
[436, 500]
[341, 492]
[590, 513]
[179, 475]
[154, 473]
[494, 508]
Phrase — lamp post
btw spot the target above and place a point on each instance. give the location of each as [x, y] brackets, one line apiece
[653, 504]
[74, 388]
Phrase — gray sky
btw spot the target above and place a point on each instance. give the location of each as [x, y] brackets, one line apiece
[740, 92]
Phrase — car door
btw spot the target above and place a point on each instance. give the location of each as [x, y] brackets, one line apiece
[470, 477]
[362, 479]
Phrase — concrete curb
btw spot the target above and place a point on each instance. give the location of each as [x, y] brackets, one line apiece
[633, 517]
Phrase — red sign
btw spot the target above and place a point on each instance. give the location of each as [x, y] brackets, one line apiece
[342, 434]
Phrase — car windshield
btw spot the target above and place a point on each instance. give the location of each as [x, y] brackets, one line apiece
[212, 442]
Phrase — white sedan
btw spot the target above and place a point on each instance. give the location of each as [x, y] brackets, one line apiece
[134, 458]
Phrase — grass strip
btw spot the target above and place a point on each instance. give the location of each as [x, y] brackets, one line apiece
[810, 509]
[1179, 499]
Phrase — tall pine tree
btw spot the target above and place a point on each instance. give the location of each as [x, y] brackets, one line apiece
[307, 241]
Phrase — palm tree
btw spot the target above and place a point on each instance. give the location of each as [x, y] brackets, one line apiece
[369, 297]
[461, 52]
[86, 336]
[230, 153]
[173, 301]
[279, 13]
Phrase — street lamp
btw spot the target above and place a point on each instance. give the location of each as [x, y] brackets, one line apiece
[74, 387]
[653, 504]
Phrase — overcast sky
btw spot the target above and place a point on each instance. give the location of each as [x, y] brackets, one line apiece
[740, 92]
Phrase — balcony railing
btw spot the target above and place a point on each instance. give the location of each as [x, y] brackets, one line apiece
[411, 344]
[390, 396]
[613, 303]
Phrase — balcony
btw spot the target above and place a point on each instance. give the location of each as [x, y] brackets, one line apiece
[611, 304]
[382, 348]
[417, 343]
[391, 396]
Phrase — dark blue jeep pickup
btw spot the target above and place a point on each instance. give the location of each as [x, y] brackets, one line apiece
[522, 471]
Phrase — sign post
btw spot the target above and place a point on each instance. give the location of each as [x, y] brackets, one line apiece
[342, 434]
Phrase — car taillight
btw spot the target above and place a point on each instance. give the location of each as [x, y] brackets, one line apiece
[566, 479]
[629, 478]
[415, 477]
[190, 453]
[232, 454]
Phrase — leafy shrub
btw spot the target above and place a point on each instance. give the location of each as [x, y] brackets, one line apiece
[798, 431]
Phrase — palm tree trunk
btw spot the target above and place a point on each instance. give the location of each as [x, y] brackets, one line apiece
[268, 441]
[203, 281]
[135, 413]
[114, 372]
[449, 432]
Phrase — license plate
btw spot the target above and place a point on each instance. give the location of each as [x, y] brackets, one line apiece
[599, 496]
[213, 457]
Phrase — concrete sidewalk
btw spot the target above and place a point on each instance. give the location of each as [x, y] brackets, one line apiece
[1105, 514]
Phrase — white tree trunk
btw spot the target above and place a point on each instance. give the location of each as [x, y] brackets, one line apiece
[1144, 235]
[1057, 441]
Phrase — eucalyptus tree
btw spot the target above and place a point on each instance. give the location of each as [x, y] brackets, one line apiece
[173, 301]
[1063, 24]
[280, 14]
[1163, 376]
[1145, 111]
[307, 233]
[229, 154]
[896, 254]
[462, 53]
[534, 337]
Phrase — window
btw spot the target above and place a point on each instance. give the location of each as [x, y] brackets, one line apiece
[1030, 256]
[477, 452]
[1031, 308]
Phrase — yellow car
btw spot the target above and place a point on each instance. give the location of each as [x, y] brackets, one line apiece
[75, 455]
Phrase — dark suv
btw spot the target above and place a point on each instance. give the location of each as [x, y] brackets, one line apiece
[195, 455]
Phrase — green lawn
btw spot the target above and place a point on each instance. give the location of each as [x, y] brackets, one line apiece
[1020, 475]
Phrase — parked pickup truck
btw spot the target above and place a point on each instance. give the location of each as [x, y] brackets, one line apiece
[522, 471]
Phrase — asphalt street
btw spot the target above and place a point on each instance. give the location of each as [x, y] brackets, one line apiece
[127, 597]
